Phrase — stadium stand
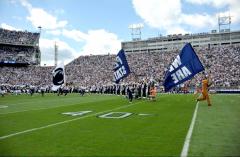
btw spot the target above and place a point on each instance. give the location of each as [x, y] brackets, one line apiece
[18, 37]
[96, 70]
[19, 48]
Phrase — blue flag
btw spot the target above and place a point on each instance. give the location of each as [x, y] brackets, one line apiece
[121, 68]
[183, 68]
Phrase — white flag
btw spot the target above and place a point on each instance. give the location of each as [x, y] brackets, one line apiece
[58, 77]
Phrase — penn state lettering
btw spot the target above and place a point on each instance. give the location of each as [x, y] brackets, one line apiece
[118, 59]
[120, 73]
[121, 68]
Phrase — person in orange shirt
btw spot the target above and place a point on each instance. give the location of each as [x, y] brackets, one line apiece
[205, 85]
[153, 93]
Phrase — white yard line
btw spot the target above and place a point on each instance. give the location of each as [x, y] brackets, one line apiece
[3, 106]
[63, 122]
[189, 134]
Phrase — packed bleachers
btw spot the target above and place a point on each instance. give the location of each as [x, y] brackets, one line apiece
[18, 37]
[31, 75]
[222, 63]
[19, 47]
[16, 54]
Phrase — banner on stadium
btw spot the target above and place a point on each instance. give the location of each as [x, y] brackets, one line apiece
[121, 68]
[183, 68]
[58, 77]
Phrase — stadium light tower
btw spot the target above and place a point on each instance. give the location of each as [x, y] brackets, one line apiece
[39, 54]
[136, 31]
[224, 23]
[40, 29]
[55, 53]
[224, 26]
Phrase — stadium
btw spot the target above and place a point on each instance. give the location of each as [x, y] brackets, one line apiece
[91, 115]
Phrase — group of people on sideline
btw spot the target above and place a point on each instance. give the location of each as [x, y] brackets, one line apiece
[131, 91]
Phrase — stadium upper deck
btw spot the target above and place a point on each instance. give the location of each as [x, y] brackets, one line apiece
[19, 47]
[177, 41]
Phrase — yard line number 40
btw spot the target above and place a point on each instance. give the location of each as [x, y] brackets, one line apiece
[110, 115]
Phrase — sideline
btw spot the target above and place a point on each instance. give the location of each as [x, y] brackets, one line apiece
[189, 134]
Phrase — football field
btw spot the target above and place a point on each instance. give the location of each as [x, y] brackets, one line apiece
[107, 125]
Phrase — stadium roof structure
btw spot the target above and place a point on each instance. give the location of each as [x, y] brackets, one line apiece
[177, 41]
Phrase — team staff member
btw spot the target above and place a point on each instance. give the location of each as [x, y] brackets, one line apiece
[130, 94]
[205, 85]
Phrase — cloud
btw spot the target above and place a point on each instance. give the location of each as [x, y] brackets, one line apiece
[235, 11]
[198, 20]
[168, 15]
[214, 3]
[65, 52]
[75, 35]
[39, 17]
[55, 32]
[8, 27]
[176, 30]
[95, 41]
[101, 42]
[162, 14]
[232, 5]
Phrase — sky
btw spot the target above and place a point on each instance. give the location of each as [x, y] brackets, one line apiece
[92, 27]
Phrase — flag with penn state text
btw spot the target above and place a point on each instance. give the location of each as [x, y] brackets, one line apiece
[58, 77]
[185, 66]
[121, 68]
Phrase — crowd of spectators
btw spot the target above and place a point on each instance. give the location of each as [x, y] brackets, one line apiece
[18, 46]
[31, 75]
[17, 54]
[18, 37]
[221, 63]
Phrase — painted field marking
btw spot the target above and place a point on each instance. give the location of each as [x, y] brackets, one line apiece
[79, 113]
[63, 122]
[3, 106]
[108, 115]
[144, 114]
[189, 134]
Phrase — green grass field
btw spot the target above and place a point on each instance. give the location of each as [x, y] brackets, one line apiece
[35, 126]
